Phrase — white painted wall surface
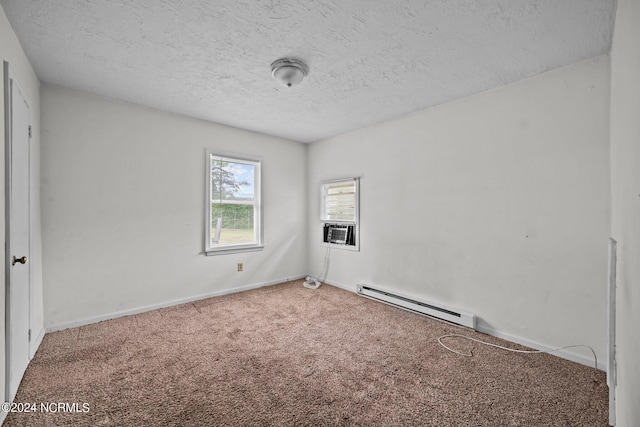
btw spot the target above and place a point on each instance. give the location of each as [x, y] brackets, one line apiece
[625, 194]
[123, 190]
[497, 204]
[11, 51]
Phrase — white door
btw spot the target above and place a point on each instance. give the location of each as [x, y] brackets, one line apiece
[17, 262]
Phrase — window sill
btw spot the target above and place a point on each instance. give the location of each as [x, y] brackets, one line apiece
[233, 250]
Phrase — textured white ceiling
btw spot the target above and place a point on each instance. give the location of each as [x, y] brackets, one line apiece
[370, 60]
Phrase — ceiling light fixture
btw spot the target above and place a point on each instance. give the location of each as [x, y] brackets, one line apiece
[289, 72]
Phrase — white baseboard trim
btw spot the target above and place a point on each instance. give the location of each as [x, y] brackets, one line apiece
[340, 285]
[95, 319]
[586, 360]
[36, 343]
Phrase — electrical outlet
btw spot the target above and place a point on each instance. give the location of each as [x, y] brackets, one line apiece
[240, 266]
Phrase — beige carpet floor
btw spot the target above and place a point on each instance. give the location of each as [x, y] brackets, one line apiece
[289, 356]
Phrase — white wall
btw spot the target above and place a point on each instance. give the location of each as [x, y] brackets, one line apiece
[497, 204]
[123, 190]
[11, 51]
[625, 194]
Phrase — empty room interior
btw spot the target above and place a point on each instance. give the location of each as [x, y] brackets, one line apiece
[321, 212]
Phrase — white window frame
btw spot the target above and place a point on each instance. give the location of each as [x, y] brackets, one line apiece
[214, 249]
[355, 222]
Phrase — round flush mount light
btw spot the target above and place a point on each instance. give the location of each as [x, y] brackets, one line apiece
[289, 72]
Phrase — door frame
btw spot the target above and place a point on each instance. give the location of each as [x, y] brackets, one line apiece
[611, 336]
[9, 79]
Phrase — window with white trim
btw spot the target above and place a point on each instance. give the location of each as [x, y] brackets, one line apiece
[233, 217]
[340, 212]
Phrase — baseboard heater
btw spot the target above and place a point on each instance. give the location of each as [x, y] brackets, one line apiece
[422, 307]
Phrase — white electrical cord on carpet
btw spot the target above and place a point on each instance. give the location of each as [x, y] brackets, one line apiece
[509, 349]
[314, 282]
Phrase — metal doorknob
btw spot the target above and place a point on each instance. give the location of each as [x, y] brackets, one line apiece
[22, 260]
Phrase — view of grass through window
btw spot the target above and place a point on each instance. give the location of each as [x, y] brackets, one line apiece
[233, 202]
[237, 223]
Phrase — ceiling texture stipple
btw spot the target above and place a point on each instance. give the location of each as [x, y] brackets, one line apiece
[369, 60]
